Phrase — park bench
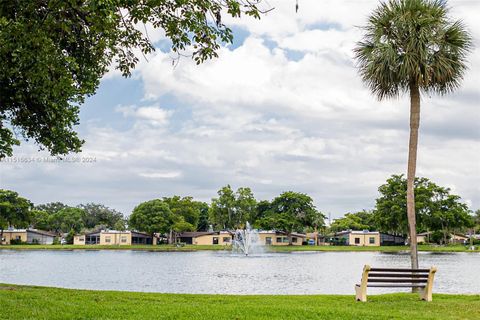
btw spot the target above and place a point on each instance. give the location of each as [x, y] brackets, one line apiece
[396, 278]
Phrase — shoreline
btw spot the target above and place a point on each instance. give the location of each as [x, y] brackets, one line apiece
[270, 249]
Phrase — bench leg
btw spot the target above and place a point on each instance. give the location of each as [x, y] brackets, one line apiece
[426, 294]
[361, 293]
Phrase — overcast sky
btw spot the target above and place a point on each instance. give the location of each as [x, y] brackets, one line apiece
[283, 108]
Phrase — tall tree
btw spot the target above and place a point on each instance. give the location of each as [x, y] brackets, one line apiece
[14, 211]
[186, 208]
[231, 210]
[152, 216]
[222, 209]
[436, 208]
[203, 219]
[290, 212]
[363, 220]
[412, 46]
[54, 54]
[67, 220]
[97, 214]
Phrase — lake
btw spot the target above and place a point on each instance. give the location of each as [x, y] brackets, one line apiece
[222, 272]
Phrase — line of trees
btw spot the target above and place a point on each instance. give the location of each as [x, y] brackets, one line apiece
[438, 211]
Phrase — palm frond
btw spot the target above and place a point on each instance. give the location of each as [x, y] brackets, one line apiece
[412, 41]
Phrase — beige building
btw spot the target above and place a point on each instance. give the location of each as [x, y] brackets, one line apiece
[360, 238]
[223, 238]
[31, 236]
[114, 238]
[280, 238]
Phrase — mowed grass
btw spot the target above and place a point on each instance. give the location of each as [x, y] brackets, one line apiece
[451, 248]
[25, 302]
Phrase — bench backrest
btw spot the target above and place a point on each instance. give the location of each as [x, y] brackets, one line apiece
[385, 277]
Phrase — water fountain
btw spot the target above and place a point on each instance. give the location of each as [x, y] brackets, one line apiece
[247, 241]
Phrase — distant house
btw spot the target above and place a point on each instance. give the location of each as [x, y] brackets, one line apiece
[359, 238]
[453, 238]
[391, 240]
[113, 237]
[280, 238]
[205, 238]
[32, 236]
[321, 239]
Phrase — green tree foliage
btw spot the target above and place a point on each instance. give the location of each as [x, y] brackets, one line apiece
[363, 220]
[476, 220]
[152, 216]
[40, 219]
[120, 225]
[51, 207]
[100, 215]
[231, 210]
[204, 217]
[292, 212]
[15, 211]
[66, 220]
[54, 54]
[437, 209]
[186, 208]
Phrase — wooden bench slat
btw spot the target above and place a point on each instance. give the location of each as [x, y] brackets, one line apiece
[396, 286]
[397, 275]
[398, 280]
[398, 270]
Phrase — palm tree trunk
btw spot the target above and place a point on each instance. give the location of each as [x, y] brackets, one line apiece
[412, 166]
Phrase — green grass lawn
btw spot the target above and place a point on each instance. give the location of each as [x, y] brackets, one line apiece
[453, 248]
[24, 302]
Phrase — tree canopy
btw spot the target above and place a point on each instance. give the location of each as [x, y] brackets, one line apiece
[152, 216]
[231, 210]
[437, 209]
[54, 54]
[292, 212]
[14, 210]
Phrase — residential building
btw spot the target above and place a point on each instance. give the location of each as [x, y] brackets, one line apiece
[391, 240]
[280, 238]
[32, 236]
[359, 238]
[453, 238]
[114, 237]
[206, 238]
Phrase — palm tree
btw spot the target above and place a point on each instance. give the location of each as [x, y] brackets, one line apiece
[412, 46]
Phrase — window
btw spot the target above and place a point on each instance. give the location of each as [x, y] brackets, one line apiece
[357, 240]
[18, 237]
[215, 240]
[294, 239]
[279, 239]
[123, 239]
[81, 239]
[107, 239]
[268, 241]
[372, 240]
[226, 239]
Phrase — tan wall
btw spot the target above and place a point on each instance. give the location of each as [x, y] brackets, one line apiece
[79, 240]
[208, 239]
[421, 239]
[364, 240]
[114, 238]
[284, 239]
[8, 235]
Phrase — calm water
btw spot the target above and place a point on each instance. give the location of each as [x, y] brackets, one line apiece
[224, 273]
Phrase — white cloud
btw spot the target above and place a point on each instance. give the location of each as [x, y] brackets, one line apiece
[152, 114]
